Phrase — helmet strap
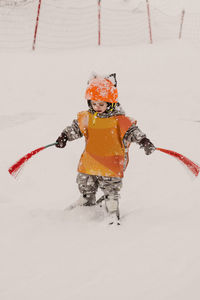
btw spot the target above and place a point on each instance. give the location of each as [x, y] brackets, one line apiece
[110, 106]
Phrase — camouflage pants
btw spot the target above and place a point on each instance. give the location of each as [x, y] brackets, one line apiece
[110, 186]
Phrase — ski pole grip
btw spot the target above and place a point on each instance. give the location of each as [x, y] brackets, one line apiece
[53, 144]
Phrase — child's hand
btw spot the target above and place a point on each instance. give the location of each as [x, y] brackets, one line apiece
[147, 145]
[61, 141]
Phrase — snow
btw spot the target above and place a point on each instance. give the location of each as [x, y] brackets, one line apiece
[50, 253]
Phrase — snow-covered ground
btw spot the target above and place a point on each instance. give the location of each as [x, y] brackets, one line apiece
[48, 253]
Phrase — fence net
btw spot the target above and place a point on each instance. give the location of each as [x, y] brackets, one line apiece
[17, 24]
[69, 24]
[62, 26]
[124, 27]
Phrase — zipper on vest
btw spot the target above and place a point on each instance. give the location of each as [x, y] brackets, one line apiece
[94, 117]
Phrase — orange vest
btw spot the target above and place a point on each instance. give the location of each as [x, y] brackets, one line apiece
[104, 153]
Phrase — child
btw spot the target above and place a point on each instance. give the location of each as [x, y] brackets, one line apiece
[108, 133]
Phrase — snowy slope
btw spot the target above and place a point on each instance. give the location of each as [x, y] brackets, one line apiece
[48, 253]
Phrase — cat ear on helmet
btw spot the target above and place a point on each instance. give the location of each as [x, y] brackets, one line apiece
[112, 78]
[93, 75]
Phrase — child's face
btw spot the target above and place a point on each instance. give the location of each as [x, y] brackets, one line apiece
[99, 106]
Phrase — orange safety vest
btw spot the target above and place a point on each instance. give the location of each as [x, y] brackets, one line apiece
[104, 153]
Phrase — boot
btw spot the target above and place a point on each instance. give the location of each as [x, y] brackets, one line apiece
[112, 207]
[114, 218]
[89, 199]
[84, 200]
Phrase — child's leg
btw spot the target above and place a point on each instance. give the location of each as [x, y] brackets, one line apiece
[88, 186]
[111, 187]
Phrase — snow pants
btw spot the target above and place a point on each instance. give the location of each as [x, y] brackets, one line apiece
[110, 186]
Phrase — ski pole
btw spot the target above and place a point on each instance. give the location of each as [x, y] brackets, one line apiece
[194, 168]
[17, 167]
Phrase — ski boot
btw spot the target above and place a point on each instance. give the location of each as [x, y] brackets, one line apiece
[114, 218]
[84, 200]
[112, 207]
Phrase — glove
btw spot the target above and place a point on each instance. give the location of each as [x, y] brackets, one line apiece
[147, 145]
[61, 141]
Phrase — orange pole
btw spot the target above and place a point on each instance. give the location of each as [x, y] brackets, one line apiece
[149, 22]
[181, 26]
[36, 24]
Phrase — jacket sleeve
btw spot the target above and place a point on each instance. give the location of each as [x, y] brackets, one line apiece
[73, 132]
[134, 134]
